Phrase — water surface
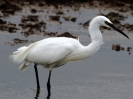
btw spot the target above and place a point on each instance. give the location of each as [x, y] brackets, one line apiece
[106, 75]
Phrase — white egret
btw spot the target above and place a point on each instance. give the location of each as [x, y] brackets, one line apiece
[57, 51]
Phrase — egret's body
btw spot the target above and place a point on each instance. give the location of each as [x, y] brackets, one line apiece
[57, 51]
[65, 48]
[54, 52]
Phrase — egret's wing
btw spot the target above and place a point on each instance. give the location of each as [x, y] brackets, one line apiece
[47, 53]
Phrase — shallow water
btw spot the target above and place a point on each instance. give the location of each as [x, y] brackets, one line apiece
[106, 75]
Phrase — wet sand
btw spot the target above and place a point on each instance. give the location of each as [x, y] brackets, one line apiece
[106, 75]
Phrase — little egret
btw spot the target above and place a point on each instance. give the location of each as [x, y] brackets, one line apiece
[57, 51]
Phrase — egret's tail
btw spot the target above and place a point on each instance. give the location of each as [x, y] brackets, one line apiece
[24, 65]
[21, 53]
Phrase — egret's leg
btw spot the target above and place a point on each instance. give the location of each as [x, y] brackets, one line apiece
[37, 94]
[37, 78]
[48, 83]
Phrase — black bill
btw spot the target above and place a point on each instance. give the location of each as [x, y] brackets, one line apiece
[115, 28]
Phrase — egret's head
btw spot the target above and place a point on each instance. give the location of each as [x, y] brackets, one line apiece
[103, 21]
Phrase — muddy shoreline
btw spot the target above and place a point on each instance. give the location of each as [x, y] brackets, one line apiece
[56, 12]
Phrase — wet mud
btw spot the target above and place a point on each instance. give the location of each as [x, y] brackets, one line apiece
[8, 8]
[10, 27]
[118, 47]
[67, 34]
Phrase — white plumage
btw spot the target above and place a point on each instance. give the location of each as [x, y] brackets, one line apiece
[57, 51]
[52, 52]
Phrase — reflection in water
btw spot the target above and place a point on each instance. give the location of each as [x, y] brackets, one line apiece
[118, 47]
[37, 94]
[48, 96]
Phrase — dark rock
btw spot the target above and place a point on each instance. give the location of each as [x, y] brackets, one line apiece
[66, 34]
[54, 18]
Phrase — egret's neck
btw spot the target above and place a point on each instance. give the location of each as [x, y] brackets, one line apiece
[97, 40]
[95, 33]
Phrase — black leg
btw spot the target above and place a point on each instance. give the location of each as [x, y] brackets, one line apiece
[37, 94]
[48, 83]
[37, 79]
